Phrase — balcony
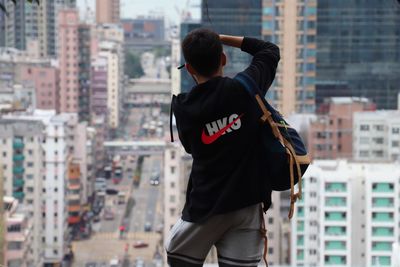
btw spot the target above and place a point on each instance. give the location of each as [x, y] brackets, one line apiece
[19, 195]
[382, 202]
[300, 255]
[18, 182]
[18, 157]
[382, 246]
[18, 170]
[335, 201]
[335, 230]
[335, 187]
[382, 231]
[382, 217]
[381, 261]
[300, 212]
[335, 260]
[382, 188]
[18, 144]
[300, 226]
[300, 240]
[335, 245]
[335, 216]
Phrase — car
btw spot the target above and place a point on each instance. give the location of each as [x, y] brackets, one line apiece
[140, 244]
[147, 227]
[154, 182]
[96, 218]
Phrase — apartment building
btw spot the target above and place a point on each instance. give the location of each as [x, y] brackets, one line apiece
[376, 135]
[107, 11]
[69, 60]
[74, 194]
[57, 144]
[18, 231]
[348, 216]
[21, 158]
[291, 24]
[330, 135]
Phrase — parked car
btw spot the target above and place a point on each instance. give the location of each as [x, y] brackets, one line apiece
[140, 244]
[109, 215]
[147, 227]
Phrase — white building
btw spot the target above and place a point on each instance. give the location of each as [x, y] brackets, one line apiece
[110, 39]
[58, 148]
[376, 135]
[17, 234]
[21, 158]
[349, 215]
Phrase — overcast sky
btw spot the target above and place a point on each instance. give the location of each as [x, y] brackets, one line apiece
[134, 8]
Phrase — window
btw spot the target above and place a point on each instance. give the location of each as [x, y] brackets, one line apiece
[172, 184]
[172, 154]
[172, 198]
[395, 143]
[29, 164]
[172, 169]
[12, 245]
[270, 220]
[396, 130]
[364, 127]
[378, 127]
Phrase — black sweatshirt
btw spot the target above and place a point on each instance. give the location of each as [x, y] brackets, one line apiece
[218, 124]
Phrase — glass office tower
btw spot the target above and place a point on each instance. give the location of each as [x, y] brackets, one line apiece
[358, 50]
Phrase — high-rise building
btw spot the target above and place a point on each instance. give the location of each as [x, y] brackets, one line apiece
[2, 27]
[234, 17]
[109, 40]
[69, 59]
[45, 80]
[84, 37]
[107, 11]
[358, 49]
[56, 151]
[21, 24]
[74, 194]
[328, 230]
[22, 160]
[330, 135]
[292, 26]
[18, 233]
[29, 21]
[144, 33]
[98, 96]
[376, 135]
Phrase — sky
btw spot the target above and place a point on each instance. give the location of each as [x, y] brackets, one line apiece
[134, 8]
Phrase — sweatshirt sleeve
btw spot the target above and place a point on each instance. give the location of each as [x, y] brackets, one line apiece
[265, 60]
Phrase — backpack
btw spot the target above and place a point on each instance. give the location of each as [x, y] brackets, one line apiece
[286, 156]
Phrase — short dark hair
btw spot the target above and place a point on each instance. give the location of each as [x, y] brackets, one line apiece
[202, 49]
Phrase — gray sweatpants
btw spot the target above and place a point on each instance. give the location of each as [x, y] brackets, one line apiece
[236, 235]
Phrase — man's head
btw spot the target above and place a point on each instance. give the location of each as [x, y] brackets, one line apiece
[203, 54]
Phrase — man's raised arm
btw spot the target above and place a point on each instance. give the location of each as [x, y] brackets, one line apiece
[265, 60]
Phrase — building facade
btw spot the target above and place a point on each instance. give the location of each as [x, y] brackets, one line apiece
[330, 135]
[328, 230]
[84, 37]
[68, 60]
[107, 11]
[21, 156]
[376, 135]
[98, 96]
[292, 26]
[358, 49]
[18, 233]
[144, 33]
[45, 80]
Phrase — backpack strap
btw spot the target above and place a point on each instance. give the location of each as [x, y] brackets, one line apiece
[252, 88]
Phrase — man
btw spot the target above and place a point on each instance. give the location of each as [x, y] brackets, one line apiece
[218, 124]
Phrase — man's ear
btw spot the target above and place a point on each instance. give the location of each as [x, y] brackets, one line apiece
[190, 69]
[223, 59]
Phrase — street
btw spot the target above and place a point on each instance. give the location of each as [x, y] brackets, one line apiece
[144, 221]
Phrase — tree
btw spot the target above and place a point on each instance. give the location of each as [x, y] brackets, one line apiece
[133, 67]
[3, 8]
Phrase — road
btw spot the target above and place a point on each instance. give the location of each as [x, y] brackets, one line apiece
[105, 243]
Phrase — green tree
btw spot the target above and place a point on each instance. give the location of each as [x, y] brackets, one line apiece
[133, 67]
[3, 8]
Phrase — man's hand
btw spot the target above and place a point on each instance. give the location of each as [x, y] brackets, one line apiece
[234, 41]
